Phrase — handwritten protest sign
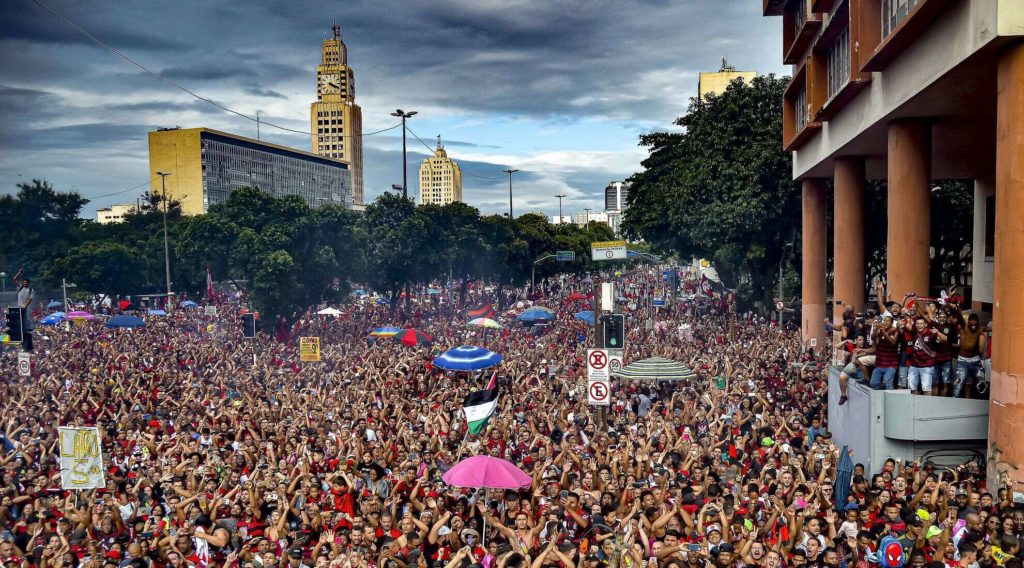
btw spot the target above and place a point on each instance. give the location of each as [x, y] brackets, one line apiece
[81, 458]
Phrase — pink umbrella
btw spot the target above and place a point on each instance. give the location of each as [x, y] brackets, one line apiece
[488, 472]
[81, 315]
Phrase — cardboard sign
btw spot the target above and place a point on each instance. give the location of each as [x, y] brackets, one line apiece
[309, 349]
[81, 458]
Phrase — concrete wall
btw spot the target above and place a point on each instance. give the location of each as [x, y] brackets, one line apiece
[982, 267]
[879, 425]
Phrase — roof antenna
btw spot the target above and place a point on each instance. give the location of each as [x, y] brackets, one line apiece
[336, 30]
[439, 145]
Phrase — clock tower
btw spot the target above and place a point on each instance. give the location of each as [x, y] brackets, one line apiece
[336, 121]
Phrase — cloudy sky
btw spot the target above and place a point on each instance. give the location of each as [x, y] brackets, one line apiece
[560, 89]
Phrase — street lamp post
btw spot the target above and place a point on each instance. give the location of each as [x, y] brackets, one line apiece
[167, 248]
[405, 166]
[560, 208]
[587, 222]
[510, 172]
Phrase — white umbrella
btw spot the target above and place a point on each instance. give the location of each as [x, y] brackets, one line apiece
[329, 312]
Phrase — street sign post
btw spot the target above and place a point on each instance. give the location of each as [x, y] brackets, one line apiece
[24, 364]
[565, 256]
[608, 250]
[598, 377]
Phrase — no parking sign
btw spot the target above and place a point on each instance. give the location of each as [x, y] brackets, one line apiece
[598, 377]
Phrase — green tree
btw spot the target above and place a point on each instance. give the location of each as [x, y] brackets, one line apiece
[101, 267]
[721, 189]
[40, 225]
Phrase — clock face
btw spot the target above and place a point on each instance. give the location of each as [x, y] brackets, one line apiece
[328, 83]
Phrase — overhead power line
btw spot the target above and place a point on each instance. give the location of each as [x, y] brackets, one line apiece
[181, 87]
[427, 146]
[119, 192]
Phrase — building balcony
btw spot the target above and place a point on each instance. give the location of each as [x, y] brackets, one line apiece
[908, 29]
[896, 424]
[773, 7]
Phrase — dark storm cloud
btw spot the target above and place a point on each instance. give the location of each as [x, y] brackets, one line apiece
[266, 93]
[546, 63]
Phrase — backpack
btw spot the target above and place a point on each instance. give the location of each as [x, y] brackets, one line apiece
[891, 553]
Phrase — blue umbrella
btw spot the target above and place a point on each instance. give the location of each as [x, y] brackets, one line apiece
[587, 317]
[536, 314]
[359, 293]
[125, 322]
[52, 319]
[383, 302]
[157, 313]
[844, 474]
[467, 358]
[189, 304]
[433, 291]
[53, 304]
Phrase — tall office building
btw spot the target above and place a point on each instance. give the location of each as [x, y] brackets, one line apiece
[336, 121]
[615, 195]
[716, 82]
[440, 178]
[207, 165]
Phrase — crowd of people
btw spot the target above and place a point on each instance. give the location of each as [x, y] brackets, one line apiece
[925, 344]
[225, 451]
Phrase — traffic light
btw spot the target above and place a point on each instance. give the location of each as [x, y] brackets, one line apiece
[248, 325]
[14, 322]
[614, 331]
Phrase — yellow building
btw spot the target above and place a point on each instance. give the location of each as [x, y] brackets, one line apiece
[114, 213]
[715, 83]
[440, 178]
[205, 166]
[336, 121]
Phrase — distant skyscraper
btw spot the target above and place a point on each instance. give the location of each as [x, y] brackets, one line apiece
[615, 195]
[440, 178]
[336, 121]
[715, 83]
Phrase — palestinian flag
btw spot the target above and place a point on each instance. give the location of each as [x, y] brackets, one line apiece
[480, 405]
[484, 312]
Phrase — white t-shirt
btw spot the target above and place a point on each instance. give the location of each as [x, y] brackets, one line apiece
[25, 295]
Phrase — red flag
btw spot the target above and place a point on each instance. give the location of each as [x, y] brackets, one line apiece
[493, 382]
[209, 282]
[484, 312]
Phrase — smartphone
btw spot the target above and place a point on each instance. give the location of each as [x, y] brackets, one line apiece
[564, 494]
[693, 547]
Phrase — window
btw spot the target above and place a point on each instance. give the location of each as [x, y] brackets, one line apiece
[838, 63]
[801, 110]
[893, 12]
[801, 16]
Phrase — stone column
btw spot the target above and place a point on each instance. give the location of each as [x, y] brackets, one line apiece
[848, 253]
[814, 245]
[910, 159]
[1006, 407]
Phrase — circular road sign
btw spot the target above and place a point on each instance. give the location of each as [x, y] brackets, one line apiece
[598, 391]
[616, 365]
[598, 360]
[24, 367]
[609, 254]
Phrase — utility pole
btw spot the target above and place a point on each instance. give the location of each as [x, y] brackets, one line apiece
[587, 222]
[560, 208]
[167, 248]
[405, 163]
[510, 172]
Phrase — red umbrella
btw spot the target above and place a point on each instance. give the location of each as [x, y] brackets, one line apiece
[413, 337]
[576, 296]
